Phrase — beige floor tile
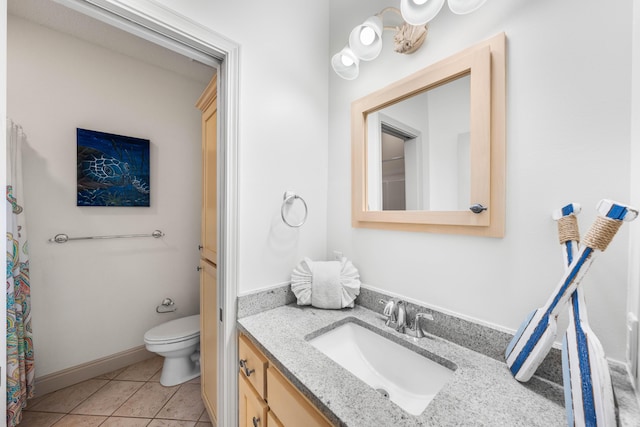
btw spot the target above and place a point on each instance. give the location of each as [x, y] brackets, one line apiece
[125, 422]
[110, 375]
[186, 404]
[80, 421]
[109, 398]
[171, 423]
[204, 417]
[68, 398]
[39, 419]
[34, 401]
[156, 377]
[147, 401]
[142, 371]
[196, 380]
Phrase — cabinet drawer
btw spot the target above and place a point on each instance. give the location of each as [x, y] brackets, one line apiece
[289, 405]
[253, 365]
[252, 410]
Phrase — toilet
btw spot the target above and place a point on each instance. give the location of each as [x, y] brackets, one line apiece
[178, 341]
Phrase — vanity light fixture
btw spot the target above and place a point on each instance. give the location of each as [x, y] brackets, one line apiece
[419, 12]
[365, 40]
[365, 43]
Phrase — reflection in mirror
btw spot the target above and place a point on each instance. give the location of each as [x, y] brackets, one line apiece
[393, 172]
[425, 152]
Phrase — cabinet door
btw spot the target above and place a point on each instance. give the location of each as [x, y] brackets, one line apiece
[272, 421]
[209, 233]
[209, 337]
[252, 411]
[289, 405]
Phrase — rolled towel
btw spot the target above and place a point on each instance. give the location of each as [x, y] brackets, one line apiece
[325, 284]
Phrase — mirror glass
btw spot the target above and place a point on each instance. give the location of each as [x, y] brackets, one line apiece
[419, 152]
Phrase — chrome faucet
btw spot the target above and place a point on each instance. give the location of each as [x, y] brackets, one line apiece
[401, 316]
[396, 314]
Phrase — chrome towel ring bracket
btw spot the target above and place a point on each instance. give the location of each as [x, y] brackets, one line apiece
[288, 199]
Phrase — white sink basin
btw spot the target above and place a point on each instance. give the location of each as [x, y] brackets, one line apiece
[409, 379]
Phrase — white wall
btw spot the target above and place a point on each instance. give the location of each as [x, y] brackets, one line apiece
[568, 132]
[283, 127]
[633, 300]
[95, 298]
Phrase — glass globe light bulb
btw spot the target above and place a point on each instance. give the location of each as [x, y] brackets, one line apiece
[367, 36]
[346, 61]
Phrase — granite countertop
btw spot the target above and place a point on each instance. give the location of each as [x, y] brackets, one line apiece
[482, 391]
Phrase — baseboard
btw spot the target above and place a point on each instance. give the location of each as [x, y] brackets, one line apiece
[76, 374]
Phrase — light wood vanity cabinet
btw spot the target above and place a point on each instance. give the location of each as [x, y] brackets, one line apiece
[267, 398]
[208, 251]
[252, 410]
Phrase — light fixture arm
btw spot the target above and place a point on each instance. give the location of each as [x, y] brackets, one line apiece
[389, 9]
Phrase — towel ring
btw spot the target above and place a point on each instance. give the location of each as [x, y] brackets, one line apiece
[288, 199]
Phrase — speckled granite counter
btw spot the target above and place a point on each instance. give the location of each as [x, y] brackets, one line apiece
[481, 392]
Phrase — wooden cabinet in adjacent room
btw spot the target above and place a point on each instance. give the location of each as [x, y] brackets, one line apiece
[208, 251]
[209, 337]
[208, 104]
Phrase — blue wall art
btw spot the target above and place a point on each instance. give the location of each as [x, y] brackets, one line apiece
[113, 170]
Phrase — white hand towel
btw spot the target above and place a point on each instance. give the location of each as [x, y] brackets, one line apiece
[326, 290]
[325, 284]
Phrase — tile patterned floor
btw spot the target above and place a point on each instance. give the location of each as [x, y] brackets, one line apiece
[129, 397]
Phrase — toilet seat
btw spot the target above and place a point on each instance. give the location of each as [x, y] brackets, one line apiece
[173, 331]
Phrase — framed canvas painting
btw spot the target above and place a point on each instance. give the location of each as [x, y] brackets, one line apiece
[113, 170]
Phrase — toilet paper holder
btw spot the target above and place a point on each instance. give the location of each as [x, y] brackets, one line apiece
[166, 306]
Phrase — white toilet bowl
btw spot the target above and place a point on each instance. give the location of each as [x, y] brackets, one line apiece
[178, 341]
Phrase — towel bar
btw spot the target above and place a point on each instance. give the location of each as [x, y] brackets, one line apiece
[63, 238]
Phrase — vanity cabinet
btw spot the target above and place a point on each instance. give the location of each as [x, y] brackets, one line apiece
[208, 105]
[267, 398]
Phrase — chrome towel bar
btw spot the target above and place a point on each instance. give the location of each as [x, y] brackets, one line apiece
[63, 238]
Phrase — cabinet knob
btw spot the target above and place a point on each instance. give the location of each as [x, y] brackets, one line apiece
[247, 371]
[477, 208]
[198, 268]
[200, 247]
[256, 421]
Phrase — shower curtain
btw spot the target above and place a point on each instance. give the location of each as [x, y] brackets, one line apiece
[20, 369]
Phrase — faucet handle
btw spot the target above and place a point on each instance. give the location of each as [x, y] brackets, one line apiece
[422, 315]
[389, 311]
[419, 333]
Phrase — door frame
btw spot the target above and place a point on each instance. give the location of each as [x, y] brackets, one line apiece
[163, 26]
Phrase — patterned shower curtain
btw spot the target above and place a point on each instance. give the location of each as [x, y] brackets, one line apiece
[20, 369]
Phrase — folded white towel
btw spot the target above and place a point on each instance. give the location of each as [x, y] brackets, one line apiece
[326, 289]
[325, 284]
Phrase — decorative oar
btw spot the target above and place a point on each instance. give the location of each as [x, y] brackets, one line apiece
[588, 393]
[534, 338]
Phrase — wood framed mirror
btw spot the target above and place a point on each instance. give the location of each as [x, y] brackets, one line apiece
[428, 151]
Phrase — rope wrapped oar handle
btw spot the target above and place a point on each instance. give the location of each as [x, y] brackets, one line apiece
[534, 338]
[588, 392]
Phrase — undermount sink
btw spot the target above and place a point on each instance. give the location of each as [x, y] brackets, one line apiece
[409, 379]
